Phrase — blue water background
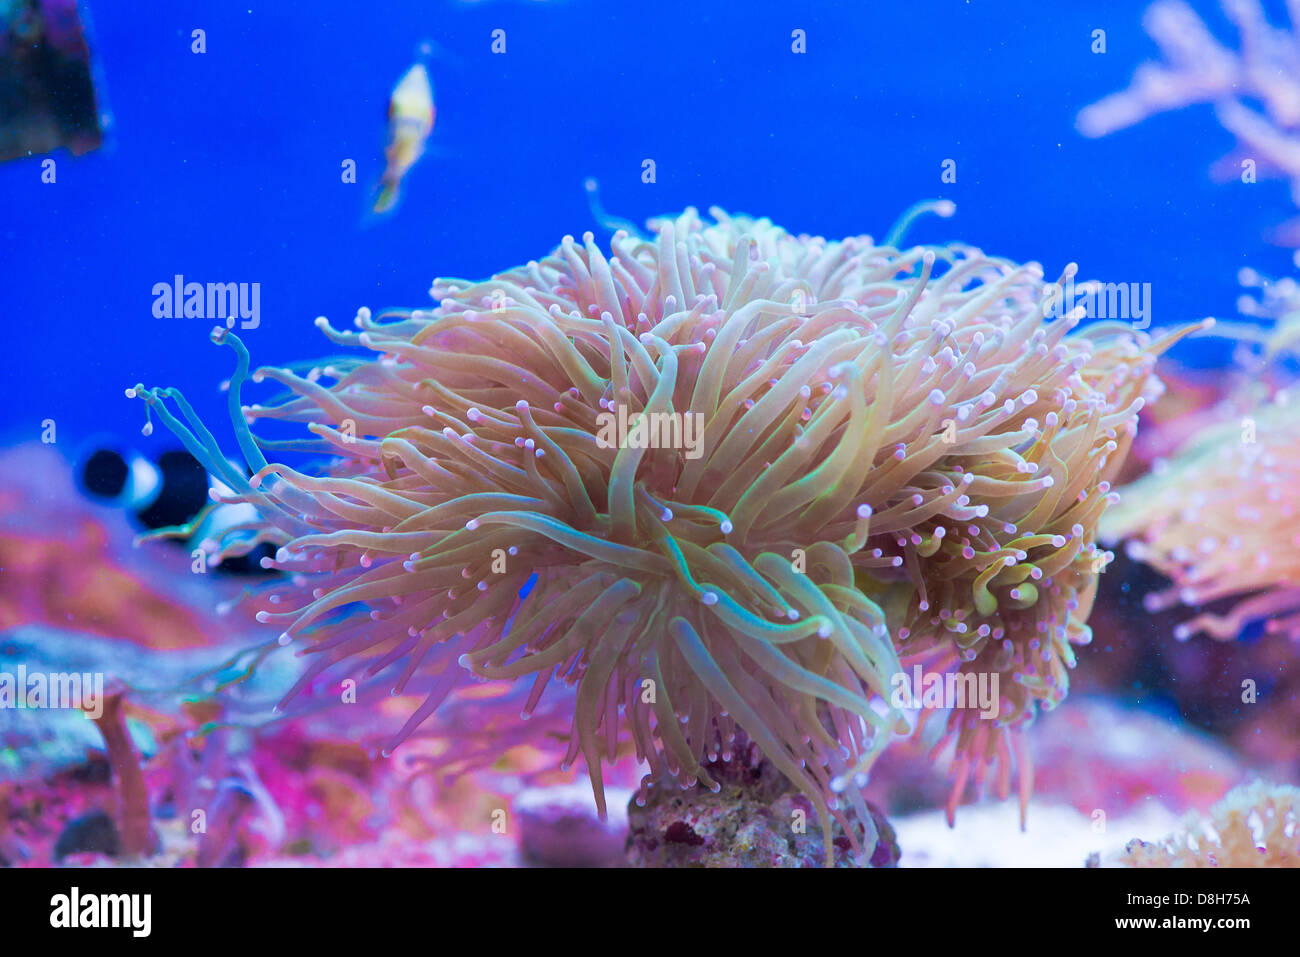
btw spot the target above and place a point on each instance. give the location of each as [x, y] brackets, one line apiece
[226, 166]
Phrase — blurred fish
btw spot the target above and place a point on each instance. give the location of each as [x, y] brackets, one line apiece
[167, 492]
[411, 116]
[170, 496]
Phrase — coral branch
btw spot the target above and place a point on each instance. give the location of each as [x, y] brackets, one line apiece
[137, 835]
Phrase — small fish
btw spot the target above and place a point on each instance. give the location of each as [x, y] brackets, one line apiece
[410, 121]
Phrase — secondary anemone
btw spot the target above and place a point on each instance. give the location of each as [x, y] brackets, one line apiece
[897, 455]
[1220, 520]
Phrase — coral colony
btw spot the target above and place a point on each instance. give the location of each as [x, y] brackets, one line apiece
[902, 462]
[1255, 825]
[1219, 520]
[1199, 69]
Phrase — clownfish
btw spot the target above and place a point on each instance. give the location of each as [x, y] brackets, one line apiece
[410, 121]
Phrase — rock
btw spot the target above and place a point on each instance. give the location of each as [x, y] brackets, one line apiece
[559, 827]
[93, 833]
[751, 822]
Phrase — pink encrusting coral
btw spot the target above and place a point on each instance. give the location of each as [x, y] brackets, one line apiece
[1221, 520]
[830, 456]
[1199, 69]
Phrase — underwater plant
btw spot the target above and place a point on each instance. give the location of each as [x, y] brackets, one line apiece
[725, 477]
[1255, 825]
[1199, 69]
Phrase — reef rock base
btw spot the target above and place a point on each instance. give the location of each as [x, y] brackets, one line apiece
[753, 821]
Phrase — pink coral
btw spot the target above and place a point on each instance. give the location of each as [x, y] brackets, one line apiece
[1221, 520]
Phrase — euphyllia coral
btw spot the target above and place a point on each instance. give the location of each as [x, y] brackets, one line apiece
[900, 460]
[1220, 520]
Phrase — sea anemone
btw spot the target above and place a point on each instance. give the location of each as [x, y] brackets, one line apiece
[1220, 520]
[897, 454]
